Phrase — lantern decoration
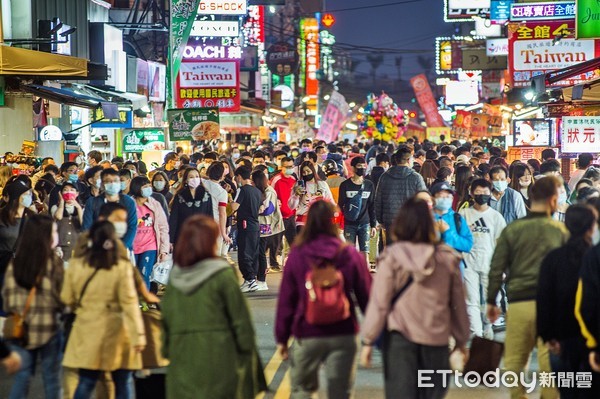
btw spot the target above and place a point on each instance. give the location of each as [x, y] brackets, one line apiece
[382, 119]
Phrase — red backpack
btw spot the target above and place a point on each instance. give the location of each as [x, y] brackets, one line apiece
[326, 300]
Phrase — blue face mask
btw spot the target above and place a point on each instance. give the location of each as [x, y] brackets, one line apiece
[73, 177]
[123, 185]
[562, 198]
[500, 185]
[112, 188]
[443, 204]
[27, 200]
[146, 192]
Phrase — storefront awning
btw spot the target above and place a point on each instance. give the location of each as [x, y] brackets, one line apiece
[68, 97]
[19, 61]
[133, 100]
[591, 92]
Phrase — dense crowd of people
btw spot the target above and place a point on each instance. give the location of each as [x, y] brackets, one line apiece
[459, 243]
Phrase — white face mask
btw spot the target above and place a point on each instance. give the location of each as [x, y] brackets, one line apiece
[596, 236]
[120, 228]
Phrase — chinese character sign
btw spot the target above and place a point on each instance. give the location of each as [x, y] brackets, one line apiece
[183, 14]
[542, 11]
[138, 140]
[580, 134]
[427, 101]
[310, 35]
[525, 153]
[334, 118]
[194, 124]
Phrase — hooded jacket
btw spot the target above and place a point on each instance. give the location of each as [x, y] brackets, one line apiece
[395, 187]
[292, 294]
[207, 330]
[375, 175]
[431, 309]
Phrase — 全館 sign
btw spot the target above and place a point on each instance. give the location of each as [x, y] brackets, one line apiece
[216, 28]
[208, 84]
[542, 11]
[587, 24]
[223, 7]
[533, 51]
[580, 134]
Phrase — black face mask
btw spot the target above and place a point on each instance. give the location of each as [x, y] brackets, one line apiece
[308, 177]
[360, 172]
[482, 199]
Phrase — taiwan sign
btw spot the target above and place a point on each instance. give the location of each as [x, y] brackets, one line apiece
[138, 140]
[580, 134]
[534, 50]
[194, 124]
[542, 11]
[587, 19]
[209, 84]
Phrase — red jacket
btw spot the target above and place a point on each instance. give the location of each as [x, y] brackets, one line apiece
[283, 187]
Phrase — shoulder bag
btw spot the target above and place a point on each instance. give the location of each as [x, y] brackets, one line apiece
[15, 327]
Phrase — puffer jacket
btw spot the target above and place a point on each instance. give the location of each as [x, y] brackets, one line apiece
[395, 187]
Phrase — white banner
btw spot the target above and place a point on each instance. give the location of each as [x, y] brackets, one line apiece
[334, 118]
[208, 74]
[216, 28]
[580, 134]
[531, 55]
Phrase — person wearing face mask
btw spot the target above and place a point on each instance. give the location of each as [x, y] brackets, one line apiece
[356, 200]
[171, 166]
[486, 224]
[521, 181]
[125, 176]
[307, 191]
[522, 246]
[69, 217]
[504, 199]
[160, 185]
[36, 272]
[92, 182]
[190, 199]
[453, 228]
[112, 193]
[235, 155]
[556, 297]
[69, 172]
[563, 203]
[334, 180]
[583, 163]
[283, 186]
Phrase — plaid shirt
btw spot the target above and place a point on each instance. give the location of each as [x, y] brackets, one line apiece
[43, 317]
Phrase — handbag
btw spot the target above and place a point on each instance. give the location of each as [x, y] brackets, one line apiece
[15, 327]
[69, 318]
[484, 355]
[161, 271]
[152, 354]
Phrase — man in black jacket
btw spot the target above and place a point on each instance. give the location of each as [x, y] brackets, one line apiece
[382, 162]
[395, 187]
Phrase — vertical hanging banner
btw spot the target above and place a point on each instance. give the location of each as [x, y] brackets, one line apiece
[183, 14]
[426, 101]
[334, 118]
[310, 35]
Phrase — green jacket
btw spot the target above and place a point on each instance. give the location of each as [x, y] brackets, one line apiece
[519, 252]
[208, 335]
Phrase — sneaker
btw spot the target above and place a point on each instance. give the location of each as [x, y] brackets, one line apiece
[249, 286]
[275, 269]
[262, 286]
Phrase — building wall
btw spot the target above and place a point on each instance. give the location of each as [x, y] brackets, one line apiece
[16, 122]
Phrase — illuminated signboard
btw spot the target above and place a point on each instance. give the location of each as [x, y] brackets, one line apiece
[209, 52]
[310, 36]
[223, 7]
[542, 11]
[216, 28]
[253, 28]
[465, 10]
[465, 54]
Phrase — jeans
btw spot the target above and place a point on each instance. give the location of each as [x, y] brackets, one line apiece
[248, 249]
[51, 359]
[145, 261]
[362, 232]
[336, 353]
[401, 361]
[88, 379]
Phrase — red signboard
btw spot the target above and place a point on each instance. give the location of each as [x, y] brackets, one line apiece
[545, 46]
[253, 28]
[207, 84]
[426, 101]
[310, 33]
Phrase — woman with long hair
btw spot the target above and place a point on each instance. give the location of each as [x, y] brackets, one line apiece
[190, 199]
[5, 174]
[444, 174]
[521, 180]
[556, 297]
[306, 191]
[332, 341]
[208, 333]
[151, 243]
[69, 218]
[271, 224]
[418, 293]
[108, 333]
[462, 181]
[33, 281]
[429, 172]
[161, 185]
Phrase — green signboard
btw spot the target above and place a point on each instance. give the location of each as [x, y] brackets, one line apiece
[587, 17]
[194, 124]
[138, 140]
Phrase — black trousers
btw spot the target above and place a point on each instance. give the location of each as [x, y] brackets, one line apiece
[261, 274]
[273, 245]
[248, 249]
[290, 229]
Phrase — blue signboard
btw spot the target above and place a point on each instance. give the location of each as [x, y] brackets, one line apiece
[500, 11]
[124, 121]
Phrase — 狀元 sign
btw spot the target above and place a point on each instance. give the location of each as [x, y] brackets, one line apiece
[542, 11]
[580, 134]
[495, 47]
[500, 11]
[194, 124]
[223, 7]
[138, 140]
[587, 17]
[465, 10]
[209, 84]
[216, 28]
[534, 50]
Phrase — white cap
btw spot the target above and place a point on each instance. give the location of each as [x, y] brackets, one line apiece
[462, 158]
